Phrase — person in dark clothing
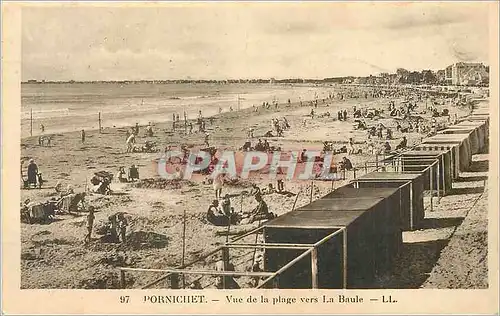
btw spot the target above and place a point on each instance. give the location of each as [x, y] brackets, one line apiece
[387, 147]
[215, 215]
[345, 115]
[83, 136]
[32, 172]
[346, 164]
[303, 156]
[402, 144]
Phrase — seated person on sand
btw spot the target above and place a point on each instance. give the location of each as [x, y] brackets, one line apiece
[387, 147]
[267, 146]
[388, 133]
[217, 217]
[269, 134]
[402, 144]
[260, 146]
[226, 206]
[133, 173]
[100, 186]
[247, 146]
[255, 190]
[345, 164]
[261, 212]
[269, 189]
[121, 176]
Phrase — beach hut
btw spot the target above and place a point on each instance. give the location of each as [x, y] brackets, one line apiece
[412, 189]
[372, 238]
[470, 131]
[350, 190]
[464, 148]
[442, 172]
[481, 127]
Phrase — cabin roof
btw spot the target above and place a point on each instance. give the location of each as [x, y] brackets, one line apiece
[317, 219]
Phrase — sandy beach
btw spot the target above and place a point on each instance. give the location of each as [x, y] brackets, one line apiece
[54, 256]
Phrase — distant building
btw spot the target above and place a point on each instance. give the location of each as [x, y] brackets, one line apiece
[32, 81]
[467, 74]
[272, 80]
[441, 75]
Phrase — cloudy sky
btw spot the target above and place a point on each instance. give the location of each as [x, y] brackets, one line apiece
[251, 40]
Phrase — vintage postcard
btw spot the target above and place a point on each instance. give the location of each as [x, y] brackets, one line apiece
[250, 157]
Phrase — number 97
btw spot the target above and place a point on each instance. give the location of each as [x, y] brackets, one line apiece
[124, 299]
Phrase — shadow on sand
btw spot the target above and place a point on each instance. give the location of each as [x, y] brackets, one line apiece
[412, 266]
[479, 166]
[435, 223]
[471, 190]
[471, 179]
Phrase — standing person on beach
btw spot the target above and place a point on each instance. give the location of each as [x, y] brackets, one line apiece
[206, 139]
[32, 172]
[351, 146]
[90, 224]
[83, 136]
[122, 227]
[217, 185]
[42, 128]
[130, 142]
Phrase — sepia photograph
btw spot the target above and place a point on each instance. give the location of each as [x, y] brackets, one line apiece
[237, 146]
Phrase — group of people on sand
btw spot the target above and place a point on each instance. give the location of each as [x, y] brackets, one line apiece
[221, 213]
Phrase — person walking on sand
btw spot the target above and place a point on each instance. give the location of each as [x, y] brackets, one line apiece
[130, 142]
[206, 139]
[136, 132]
[218, 184]
[83, 136]
[90, 224]
[351, 146]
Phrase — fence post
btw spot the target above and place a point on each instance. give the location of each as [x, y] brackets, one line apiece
[314, 268]
[123, 283]
[100, 128]
[31, 122]
[344, 270]
[312, 187]
[174, 281]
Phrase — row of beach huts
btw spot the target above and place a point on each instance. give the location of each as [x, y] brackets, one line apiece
[357, 229]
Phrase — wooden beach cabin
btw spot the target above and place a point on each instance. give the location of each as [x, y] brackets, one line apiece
[372, 238]
[412, 189]
[470, 131]
[481, 127]
[464, 156]
[441, 172]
